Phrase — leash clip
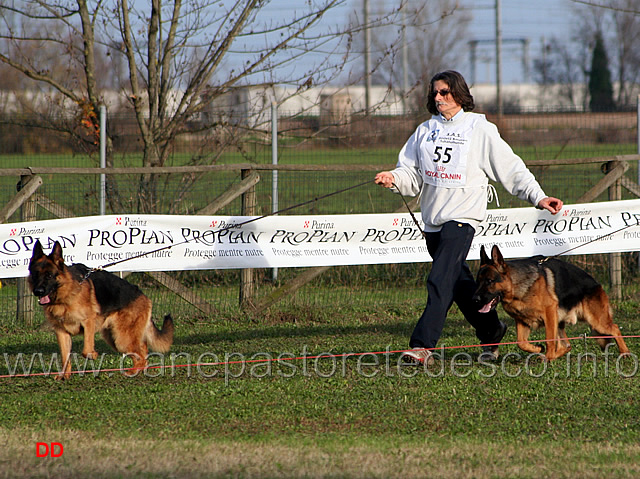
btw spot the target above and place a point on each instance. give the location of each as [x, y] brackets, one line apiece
[88, 273]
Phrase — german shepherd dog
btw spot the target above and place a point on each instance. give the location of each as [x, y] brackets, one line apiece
[78, 300]
[547, 292]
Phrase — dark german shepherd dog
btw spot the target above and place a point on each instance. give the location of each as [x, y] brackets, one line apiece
[547, 292]
[78, 300]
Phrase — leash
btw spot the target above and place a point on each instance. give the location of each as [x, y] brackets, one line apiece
[541, 261]
[424, 235]
[235, 225]
[544, 260]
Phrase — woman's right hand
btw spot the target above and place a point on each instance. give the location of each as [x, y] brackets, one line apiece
[384, 178]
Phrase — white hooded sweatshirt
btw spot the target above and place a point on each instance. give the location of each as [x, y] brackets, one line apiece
[449, 163]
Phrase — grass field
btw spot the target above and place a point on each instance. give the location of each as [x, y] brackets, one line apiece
[270, 398]
[295, 394]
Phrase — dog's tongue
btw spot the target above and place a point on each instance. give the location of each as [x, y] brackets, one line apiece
[44, 300]
[486, 308]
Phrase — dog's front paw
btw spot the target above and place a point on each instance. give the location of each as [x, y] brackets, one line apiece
[62, 376]
[530, 348]
[91, 355]
[133, 371]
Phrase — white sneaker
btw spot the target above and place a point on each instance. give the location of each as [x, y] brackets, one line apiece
[417, 356]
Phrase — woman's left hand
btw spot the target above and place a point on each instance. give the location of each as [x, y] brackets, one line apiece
[551, 204]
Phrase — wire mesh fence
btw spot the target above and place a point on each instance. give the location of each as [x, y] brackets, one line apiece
[366, 145]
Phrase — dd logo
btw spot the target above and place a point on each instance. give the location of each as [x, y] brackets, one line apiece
[54, 449]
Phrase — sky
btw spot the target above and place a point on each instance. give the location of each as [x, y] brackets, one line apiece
[534, 20]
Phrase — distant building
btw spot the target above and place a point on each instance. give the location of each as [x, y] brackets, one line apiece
[252, 105]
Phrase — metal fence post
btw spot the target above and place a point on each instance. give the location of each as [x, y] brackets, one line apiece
[103, 159]
[274, 161]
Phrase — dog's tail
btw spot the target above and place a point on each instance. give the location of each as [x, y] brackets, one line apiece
[160, 340]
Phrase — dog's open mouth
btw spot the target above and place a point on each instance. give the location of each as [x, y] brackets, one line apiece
[44, 299]
[490, 305]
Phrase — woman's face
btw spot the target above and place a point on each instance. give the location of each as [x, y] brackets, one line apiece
[443, 98]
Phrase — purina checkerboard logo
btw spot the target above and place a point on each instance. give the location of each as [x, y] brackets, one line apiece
[131, 222]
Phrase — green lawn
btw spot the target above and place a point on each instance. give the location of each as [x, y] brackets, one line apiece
[230, 408]
[266, 398]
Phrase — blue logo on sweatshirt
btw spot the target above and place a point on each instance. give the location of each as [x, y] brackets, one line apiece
[433, 136]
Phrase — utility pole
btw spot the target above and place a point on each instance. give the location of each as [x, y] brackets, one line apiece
[473, 59]
[405, 61]
[498, 59]
[525, 60]
[367, 59]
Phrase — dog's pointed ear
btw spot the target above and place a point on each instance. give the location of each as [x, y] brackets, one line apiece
[496, 256]
[37, 251]
[484, 258]
[56, 253]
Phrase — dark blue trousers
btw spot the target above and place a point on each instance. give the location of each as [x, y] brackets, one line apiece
[451, 280]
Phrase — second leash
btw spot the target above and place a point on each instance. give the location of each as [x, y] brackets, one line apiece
[237, 225]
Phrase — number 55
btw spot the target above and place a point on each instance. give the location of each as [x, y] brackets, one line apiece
[447, 154]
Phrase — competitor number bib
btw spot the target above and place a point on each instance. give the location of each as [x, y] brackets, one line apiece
[445, 151]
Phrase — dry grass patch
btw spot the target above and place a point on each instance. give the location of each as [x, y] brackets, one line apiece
[329, 456]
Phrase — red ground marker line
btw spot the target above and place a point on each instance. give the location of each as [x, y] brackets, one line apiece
[95, 372]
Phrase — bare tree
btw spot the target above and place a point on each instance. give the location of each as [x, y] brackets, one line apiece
[563, 65]
[170, 59]
[626, 18]
[433, 34]
[618, 22]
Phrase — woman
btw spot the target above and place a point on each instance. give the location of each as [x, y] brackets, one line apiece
[449, 160]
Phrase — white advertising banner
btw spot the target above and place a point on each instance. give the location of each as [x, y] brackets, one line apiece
[167, 243]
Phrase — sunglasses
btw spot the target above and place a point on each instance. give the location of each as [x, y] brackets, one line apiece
[443, 92]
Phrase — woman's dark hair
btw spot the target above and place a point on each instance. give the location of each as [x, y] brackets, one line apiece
[459, 91]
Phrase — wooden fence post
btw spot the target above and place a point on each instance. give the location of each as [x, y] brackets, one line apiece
[247, 276]
[25, 313]
[615, 259]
